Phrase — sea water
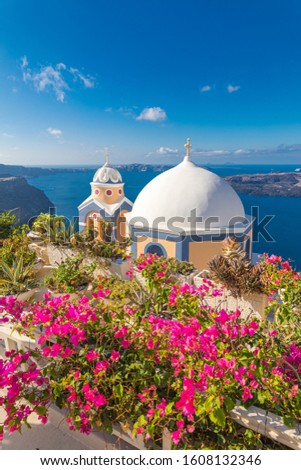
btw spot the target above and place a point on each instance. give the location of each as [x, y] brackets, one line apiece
[68, 190]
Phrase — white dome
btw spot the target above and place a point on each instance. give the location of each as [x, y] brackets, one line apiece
[107, 174]
[186, 188]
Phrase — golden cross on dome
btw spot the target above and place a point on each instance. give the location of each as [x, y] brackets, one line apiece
[188, 147]
[107, 155]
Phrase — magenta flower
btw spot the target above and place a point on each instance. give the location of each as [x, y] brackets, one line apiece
[121, 332]
[115, 356]
[101, 366]
[161, 406]
[92, 356]
[176, 436]
[247, 395]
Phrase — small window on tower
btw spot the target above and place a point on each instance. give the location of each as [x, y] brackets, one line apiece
[109, 192]
[120, 191]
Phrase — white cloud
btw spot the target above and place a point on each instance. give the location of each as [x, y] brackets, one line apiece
[205, 88]
[24, 62]
[210, 153]
[241, 152]
[56, 133]
[54, 78]
[88, 81]
[8, 136]
[155, 114]
[109, 110]
[167, 151]
[49, 78]
[127, 111]
[232, 88]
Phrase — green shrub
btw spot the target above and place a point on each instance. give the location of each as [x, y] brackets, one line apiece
[7, 221]
[70, 276]
[17, 245]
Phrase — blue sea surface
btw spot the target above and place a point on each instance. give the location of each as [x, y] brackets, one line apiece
[68, 190]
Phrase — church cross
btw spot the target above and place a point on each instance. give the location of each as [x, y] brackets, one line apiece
[107, 155]
[188, 147]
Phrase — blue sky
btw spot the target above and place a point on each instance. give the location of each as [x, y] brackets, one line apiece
[139, 77]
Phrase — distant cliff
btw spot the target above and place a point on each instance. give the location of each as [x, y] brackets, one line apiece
[33, 172]
[24, 200]
[271, 184]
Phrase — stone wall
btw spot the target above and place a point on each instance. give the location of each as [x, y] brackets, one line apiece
[249, 304]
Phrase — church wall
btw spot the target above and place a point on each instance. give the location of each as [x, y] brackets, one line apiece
[202, 252]
[91, 207]
[142, 242]
[100, 194]
[198, 249]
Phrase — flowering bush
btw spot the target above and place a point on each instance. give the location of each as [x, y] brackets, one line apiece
[165, 360]
[156, 266]
[283, 285]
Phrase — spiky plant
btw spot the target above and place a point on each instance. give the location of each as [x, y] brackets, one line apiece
[235, 271]
[17, 277]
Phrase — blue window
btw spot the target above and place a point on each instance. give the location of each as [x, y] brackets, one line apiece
[155, 248]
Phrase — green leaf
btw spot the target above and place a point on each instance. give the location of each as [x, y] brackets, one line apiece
[107, 317]
[169, 408]
[200, 410]
[41, 410]
[119, 390]
[261, 397]
[218, 417]
[229, 404]
[209, 404]
[157, 380]
[288, 421]
[142, 420]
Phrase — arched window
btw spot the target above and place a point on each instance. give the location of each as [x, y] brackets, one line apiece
[94, 222]
[155, 248]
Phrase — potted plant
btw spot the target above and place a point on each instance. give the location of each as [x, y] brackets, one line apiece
[17, 279]
[70, 277]
[185, 270]
[57, 235]
[235, 271]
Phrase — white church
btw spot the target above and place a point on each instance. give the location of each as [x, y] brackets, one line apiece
[185, 212]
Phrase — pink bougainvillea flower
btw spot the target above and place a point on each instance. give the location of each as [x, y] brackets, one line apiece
[115, 356]
[273, 259]
[176, 436]
[247, 395]
[92, 356]
[161, 406]
[101, 366]
[121, 333]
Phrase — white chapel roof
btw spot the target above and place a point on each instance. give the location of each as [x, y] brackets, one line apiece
[186, 188]
[107, 174]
